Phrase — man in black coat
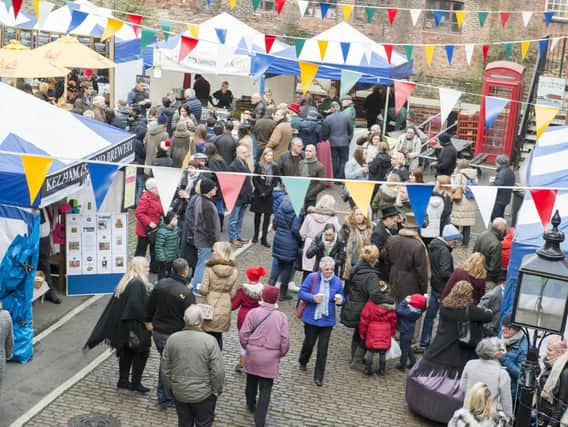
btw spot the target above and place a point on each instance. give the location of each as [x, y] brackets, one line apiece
[503, 177]
[381, 233]
[447, 158]
[289, 163]
[202, 89]
[374, 104]
[226, 144]
[244, 199]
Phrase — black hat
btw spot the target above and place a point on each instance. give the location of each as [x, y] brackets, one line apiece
[206, 185]
[389, 211]
[444, 138]
[507, 320]
[169, 216]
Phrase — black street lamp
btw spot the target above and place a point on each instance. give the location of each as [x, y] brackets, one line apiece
[541, 304]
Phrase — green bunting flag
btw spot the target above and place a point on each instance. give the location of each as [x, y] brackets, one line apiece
[482, 17]
[408, 49]
[299, 43]
[166, 28]
[508, 50]
[255, 4]
[148, 36]
[370, 13]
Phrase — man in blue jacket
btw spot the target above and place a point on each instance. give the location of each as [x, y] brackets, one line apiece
[517, 346]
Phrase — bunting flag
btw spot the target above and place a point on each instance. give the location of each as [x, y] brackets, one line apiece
[460, 15]
[166, 28]
[347, 10]
[77, 18]
[408, 48]
[548, 18]
[221, 35]
[167, 180]
[392, 12]
[485, 51]
[524, 49]
[402, 91]
[231, 185]
[269, 40]
[147, 36]
[345, 46]
[348, 80]
[324, 7]
[526, 18]
[414, 15]
[308, 72]
[279, 6]
[388, 51]
[101, 175]
[554, 42]
[35, 170]
[450, 52]
[232, 4]
[493, 107]
[302, 5]
[247, 44]
[429, 50]
[187, 44]
[299, 44]
[45, 9]
[469, 52]
[485, 199]
[545, 114]
[135, 21]
[438, 16]
[542, 45]
[504, 18]
[112, 27]
[322, 45]
[36, 7]
[255, 4]
[448, 100]
[361, 193]
[482, 18]
[544, 201]
[419, 197]
[194, 30]
[8, 4]
[259, 65]
[17, 5]
[508, 50]
[296, 188]
[370, 11]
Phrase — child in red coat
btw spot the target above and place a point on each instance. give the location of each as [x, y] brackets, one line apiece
[247, 297]
[377, 326]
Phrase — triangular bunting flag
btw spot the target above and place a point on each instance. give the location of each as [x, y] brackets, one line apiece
[402, 91]
[194, 30]
[7, 5]
[45, 9]
[296, 188]
[485, 51]
[508, 50]
[544, 201]
[345, 46]
[485, 199]
[279, 6]
[324, 7]
[307, 73]
[135, 21]
[414, 15]
[370, 11]
[482, 18]
[348, 79]
[166, 28]
[187, 44]
[469, 52]
[231, 185]
[493, 107]
[77, 18]
[299, 44]
[419, 197]
[221, 35]
[259, 65]
[269, 40]
[542, 45]
[232, 4]
[113, 25]
[302, 5]
[527, 17]
[450, 52]
[408, 48]
[448, 100]
[524, 49]
[429, 50]
[460, 15]
[17, 5]
[322, 45]
[553, 42]
[147, 36]
[167, 180]
[361, 193]
[438, 16]
[35, 170]
[392, 12]
[548, 18]
[36, 7]
[388, 51]
[504, 18]
[255, 4]
[545, 114]
[101, 175]
[347, 10]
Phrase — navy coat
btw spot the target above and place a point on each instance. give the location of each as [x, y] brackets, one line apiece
[287, 237]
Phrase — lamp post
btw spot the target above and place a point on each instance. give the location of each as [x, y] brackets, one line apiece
[541, 304]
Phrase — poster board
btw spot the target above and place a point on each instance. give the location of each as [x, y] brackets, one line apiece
[551, 91]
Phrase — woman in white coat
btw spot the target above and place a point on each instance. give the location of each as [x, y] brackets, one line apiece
[439, 209]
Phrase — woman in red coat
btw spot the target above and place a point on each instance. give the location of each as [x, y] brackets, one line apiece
[148, 215]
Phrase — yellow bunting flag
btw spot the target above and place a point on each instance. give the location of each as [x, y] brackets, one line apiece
[347, 11]
[113, 25]
[36, 8]
[524, 49]
[232, 4]
[193, 30]
[460, 15]
[544, 116]
[307, 73]
[429, 50]
[36, 169]
[361, 193]
[322, 44]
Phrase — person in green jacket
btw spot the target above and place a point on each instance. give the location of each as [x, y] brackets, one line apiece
[349, 109]
[325, 107]
[167, 244]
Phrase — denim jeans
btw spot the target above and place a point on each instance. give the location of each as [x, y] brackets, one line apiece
[236, 222]
[281, 270]
[164, 394]
[431, 313]
[203, 254]
[340, 156]
[407, 353]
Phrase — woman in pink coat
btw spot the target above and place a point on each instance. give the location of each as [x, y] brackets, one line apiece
[264, 336]
[148, 215]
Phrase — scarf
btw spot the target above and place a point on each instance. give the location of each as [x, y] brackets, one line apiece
[358, 237]
[327, 251]
[552, 381]
[322, 308]
[305, 169]
[267, 172]
[513, 340]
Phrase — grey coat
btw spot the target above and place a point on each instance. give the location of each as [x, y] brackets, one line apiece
[192, 366]
[6, 341]
[492, 301]
[340, 129]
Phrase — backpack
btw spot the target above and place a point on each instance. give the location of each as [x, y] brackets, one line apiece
[470, 182]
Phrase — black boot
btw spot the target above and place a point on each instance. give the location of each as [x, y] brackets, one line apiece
[138, 365]
[382, 364]
[368, 368]
[52, 296]
[221, 221]
[124, 363]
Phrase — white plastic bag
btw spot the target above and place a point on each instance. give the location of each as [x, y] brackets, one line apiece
[394, 351]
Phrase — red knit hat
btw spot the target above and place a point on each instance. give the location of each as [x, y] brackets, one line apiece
[270, 294]
[295, 107]
[254, 273]
[418, 301]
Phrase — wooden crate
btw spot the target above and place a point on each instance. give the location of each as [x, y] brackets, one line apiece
[467, 126]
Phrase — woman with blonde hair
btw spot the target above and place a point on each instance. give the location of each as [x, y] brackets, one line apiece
[473, 272]
[386, 195]
[262, 198]
[121, 325]
[439, 209]
[356, 233]
[478, 411]
[398, 166]
[464, 210]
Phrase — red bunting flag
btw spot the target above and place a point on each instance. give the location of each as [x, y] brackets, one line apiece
[268, 42]
[402, 91]
[392, 14]
[135, 20]
[388, 51]
[504, 18]
[485, 51]
[230, 187]
[187, 45]
[279, 6]
[17, 5]
[544, 202]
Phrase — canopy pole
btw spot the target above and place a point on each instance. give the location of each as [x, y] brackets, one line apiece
[262, 85]
[386, 112]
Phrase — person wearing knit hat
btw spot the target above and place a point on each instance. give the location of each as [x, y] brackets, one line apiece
[163, 157]
[206, 186]
[407, 313]
[264, 336]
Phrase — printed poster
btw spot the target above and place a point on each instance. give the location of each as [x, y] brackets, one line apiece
[550, 91]
[119, 243]
[89, 243]
[104, 241]
[74, 246]
[129, 187]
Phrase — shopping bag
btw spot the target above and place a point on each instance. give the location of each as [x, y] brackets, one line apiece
[394, 351]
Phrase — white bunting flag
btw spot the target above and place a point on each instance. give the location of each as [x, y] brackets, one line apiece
[448, 99]
[44, 9]
[414, 15]
[553, 42]
[527, 17]
[469, 52]
[303, 5]
[485, 198]
[167, 180]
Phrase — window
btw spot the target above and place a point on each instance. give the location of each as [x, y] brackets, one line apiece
[314, 10]
[448, 23]
[558, 6]
[267, 5]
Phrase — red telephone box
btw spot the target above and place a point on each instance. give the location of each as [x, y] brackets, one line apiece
[502, 79]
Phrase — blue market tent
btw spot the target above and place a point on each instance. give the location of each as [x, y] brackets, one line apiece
[546, 168]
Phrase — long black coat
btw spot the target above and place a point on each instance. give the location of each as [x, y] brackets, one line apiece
[447, 160]
[363, 283]
[262, 198]
[245, 196]
[505, 177]
[317, 249]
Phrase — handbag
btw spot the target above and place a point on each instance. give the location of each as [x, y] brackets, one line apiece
[151, 233]
[465, 337]
[457, 194]
[302, 304]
